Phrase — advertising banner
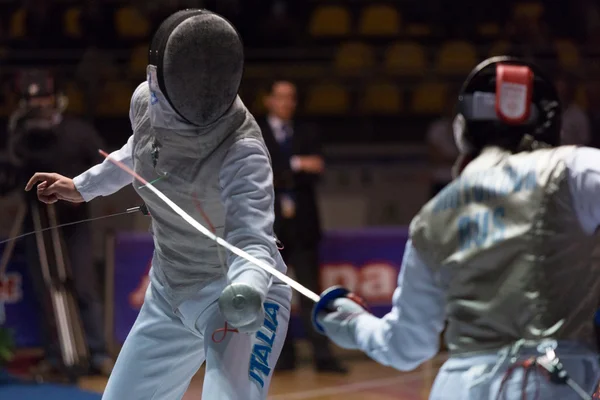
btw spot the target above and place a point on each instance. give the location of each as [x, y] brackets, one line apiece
[365, 261]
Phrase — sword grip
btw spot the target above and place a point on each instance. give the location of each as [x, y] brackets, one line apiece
[144, 209]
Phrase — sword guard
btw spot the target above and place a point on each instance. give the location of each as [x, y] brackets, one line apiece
[324, 304]
[239, 304]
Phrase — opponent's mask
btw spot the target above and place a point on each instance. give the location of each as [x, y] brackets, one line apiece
[510, 103]
[199, 61]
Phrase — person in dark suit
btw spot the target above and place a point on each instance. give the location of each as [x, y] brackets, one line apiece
[295, 151]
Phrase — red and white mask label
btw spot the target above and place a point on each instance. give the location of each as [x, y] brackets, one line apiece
[514, 87]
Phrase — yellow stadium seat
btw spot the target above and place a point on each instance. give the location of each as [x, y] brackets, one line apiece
[381, 98]
[405, 58]
[327, 99]
[131, 24]
[529, 10]
[430, 98]
[114, 99]
[581, 97]
[17, 24]
[490, 29]
[456, 57]
[500, 48]
[76, 103]
[330, 21]
[258, 106]
[568, 54]
[379, 20]
[138, 61]
[72, 24]
[354, 58]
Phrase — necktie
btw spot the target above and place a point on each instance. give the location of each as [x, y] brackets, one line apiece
[288, 201]
[286, 143]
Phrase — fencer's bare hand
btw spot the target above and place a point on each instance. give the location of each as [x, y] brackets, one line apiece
[53, 187]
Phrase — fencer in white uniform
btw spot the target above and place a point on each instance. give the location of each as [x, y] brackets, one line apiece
[194, 138]
[503, 254]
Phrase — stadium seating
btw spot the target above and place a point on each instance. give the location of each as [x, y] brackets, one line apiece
[354, 58]
[405, 58]
[456, 58]
[499, 48]
[581, 96]
[488, 30]
[381, 98]
[528, 10]
[17, 29]
[379, 49]
[568, 54]
[131, 24]
[138, 61]
[258, 105]
[430, 98]
[114, 99]
[76, 99]
[71, 23]
[379, 20]
[327, 99]
[328, 21]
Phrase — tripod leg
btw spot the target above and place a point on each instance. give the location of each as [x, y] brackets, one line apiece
[71, 306]
[65, 309]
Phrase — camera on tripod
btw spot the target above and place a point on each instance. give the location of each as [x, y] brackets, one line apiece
[38, 141]
[33, 126]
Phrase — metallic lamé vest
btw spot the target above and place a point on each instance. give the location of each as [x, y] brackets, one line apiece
[511, 253]
[186, 168]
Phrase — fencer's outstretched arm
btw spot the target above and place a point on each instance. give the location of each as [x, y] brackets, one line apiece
[409, 334]
[106, 178]
[584, 182]
[100, 180]
[246, 180]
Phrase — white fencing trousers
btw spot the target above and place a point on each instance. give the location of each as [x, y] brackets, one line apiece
[165, 349]
[480, 377]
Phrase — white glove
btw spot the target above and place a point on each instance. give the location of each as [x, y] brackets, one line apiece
[340, 323]
[242, 307]
[241, 303]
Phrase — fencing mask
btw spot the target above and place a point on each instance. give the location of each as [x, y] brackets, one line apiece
[508, 102]
[197, 59]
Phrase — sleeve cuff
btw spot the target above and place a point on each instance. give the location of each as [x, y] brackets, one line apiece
[81, 183]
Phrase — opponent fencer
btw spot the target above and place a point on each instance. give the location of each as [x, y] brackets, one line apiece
[503, 254]
[196, 141]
